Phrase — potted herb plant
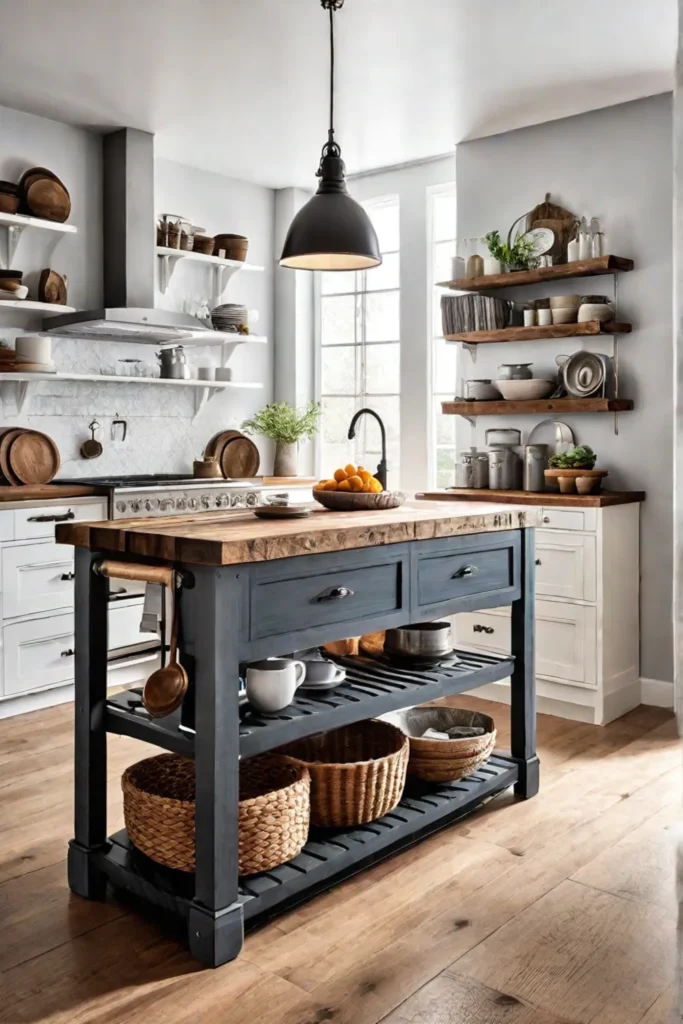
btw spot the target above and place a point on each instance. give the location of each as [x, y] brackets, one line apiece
[517, 255]
[285, 425]
[574, 470]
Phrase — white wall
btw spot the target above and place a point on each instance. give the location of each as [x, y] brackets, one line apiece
[614, 164]
[161, 434]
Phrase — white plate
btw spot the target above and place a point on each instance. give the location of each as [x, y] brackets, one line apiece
[543, 239]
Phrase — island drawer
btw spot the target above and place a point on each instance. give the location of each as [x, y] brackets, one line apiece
[452, 575]
[366, 584]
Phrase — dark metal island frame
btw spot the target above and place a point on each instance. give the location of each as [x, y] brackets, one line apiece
[254, 588]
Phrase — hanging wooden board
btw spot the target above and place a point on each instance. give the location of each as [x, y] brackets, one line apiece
[34, 457]
[52, 287]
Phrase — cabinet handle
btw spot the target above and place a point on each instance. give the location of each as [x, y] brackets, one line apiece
[467, 570]
[336, 594]
[118, 592]
[52, 519]
[67, 654]
[546, 519]
[68, 576]
[538, 561]
[478, 628]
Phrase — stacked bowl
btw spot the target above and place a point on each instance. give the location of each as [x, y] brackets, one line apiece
[231, 318]
[565, 308]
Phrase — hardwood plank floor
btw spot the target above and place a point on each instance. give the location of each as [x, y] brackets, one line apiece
[558, 910]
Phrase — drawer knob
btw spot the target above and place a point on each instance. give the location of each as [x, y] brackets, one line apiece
[63, 518]
[68, 576]
[546, 519]
[538, 561]
[478, 628]
[67, 654]
[336, 594]
[467, 570]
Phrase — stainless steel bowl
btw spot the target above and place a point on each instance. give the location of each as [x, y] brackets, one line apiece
[420, 640]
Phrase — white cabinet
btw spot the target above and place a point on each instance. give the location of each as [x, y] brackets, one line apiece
[36, 578]
[38, 653]
[586, 613]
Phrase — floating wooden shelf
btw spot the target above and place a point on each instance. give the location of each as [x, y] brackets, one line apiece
[545, 405]
[579, 268]
[29, 306]
[590, 327]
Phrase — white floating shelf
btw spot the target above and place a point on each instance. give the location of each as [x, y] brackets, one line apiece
[204, 390]
[222, 269]
[13, 225]
[29, 306]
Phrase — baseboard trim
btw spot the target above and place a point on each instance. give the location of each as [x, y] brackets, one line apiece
[657, 693]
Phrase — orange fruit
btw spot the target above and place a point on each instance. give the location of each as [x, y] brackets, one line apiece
[364, 474]
[339, 475]
[367, 488]
[350, 470]
[361, 469]
[375, 486]
[344, 486]
[331, 485]
[320, 485]
[355, 483]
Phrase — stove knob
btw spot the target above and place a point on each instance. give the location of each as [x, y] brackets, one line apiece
[219, 500]
[155, 502]
[193, 503]
[181, 504]
[120, 506]
[134, 506]
[206, 501]
[148, 505]
[238, 501]
[252, 499]
[166, 503]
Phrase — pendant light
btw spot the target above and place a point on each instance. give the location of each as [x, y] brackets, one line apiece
[332, 231]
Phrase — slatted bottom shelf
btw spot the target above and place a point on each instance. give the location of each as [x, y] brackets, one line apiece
[372, 687]
[329, 856]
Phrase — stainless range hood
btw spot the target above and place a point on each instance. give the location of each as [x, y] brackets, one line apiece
[129, 256]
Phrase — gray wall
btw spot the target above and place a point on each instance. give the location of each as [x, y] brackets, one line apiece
[615, 164]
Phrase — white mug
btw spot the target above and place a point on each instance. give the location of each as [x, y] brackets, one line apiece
[206, 373]
[224, 373]
[544, 317]
[271, 684]
[33, 348]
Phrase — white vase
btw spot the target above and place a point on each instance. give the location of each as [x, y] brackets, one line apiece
[286, 459]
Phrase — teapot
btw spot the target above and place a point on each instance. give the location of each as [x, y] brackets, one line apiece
[173, 363]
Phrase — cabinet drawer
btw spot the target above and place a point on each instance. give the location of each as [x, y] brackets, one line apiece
[33, 578]
[30, 523]
[124, 625]
[38, 653]
[296, 601]
[566, 639]
[566, 565]
[466, 568]
[570, 518]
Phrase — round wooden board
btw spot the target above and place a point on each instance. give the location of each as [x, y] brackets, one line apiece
[240, 458]
[34, 457]
[216, 445]
[48, 199]
[6, 441]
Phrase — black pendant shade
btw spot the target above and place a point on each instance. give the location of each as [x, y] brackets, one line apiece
[332, 231]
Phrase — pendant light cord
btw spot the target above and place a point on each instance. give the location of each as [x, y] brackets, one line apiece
[331, 148]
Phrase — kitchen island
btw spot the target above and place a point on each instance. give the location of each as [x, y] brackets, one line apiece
[251, 589]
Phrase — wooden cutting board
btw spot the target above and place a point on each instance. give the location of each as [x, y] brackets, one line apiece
[48, 199]
[34, 457]
[216, 446]
[9, 435]
[240, 458]
[52, 287]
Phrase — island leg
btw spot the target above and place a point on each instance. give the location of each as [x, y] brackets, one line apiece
[522, 684]
[216, 921]
[90, 756]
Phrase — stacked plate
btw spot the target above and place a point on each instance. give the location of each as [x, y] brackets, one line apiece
[27, 457]
[230, 317]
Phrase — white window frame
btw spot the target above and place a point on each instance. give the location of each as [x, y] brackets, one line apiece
[443, 189]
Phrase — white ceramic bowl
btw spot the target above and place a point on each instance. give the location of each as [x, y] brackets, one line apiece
[595, 311]
[33, 348]
[564, 314]
[525, 390]
[565, 301]
[481, 391]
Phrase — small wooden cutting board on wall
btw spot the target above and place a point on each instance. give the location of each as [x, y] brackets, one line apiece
[52, 287]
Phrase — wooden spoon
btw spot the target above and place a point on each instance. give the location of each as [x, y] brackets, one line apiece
[165, 688]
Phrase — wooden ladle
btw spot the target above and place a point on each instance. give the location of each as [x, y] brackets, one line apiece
[165, 688]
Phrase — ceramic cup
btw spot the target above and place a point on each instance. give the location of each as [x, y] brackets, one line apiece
[33, 348]
[223, 373]
[529, 317]
[321, 671]
[544, 317]
[206, 373]
[271, 684]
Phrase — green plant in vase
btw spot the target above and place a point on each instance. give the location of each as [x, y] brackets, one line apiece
[286, 425]
[518, 255]
[581, 457]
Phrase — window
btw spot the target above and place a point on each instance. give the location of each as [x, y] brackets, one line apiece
[360, 358]
[442, 221]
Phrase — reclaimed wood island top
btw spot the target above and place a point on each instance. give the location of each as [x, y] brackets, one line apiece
[229, 538]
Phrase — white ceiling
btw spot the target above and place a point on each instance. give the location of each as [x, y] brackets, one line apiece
[240, 86]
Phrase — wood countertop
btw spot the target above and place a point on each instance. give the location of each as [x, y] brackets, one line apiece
[549, 499]
[229, 538]
[36, 493]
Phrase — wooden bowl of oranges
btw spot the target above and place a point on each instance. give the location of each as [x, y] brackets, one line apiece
[355, 489]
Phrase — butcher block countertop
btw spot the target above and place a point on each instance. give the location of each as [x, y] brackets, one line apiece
[229, 538]
[37, 493]
[549, 499]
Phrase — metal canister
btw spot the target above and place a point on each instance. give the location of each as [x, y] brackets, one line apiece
[480, 470]
[535, 461]
[464, 471]
[504, 467]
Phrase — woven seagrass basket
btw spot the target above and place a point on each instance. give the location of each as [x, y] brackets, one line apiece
[159, 811]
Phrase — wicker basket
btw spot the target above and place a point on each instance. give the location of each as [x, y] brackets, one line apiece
[357, 773]
[233, 247]
[204, 244]
[159, 807]
[444, 760]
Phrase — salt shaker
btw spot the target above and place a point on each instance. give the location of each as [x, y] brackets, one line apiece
[584, 240]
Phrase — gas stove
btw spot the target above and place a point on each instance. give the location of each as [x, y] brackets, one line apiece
[141, 497]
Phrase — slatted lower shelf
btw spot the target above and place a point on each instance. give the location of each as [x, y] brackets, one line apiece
[372, 688]
[329, 856]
